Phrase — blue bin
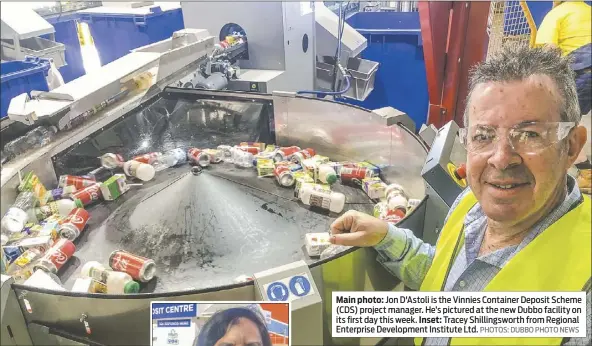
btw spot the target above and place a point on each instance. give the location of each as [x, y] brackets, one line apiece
[19, 77]
[394, 41]
[67, 34]
[115, 34]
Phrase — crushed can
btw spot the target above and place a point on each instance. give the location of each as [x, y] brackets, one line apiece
[148, 158]
[284, 176]
[285, 153]
[78, 182]
[303, 154]
[56, 256]
[71, 227]
[265, 167]
[112, 161]
[32, 183]
[89, 194]
[138, 267]
[199, 157]
[114, 187]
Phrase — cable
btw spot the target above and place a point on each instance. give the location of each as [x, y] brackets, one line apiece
[347, 86]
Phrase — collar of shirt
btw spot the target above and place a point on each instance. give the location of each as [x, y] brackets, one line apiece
[475, 223]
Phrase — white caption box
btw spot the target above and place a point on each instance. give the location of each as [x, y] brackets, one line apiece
[459, 314]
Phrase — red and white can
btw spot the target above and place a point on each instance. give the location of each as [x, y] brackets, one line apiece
[285, 153]
[56, 256]
[78, 182]
[250, 149]
[74, 224]
[284, 175]
[355, 174]
[138, 267]
[89, 194]
[147, 158]
[304, 154]
[112, 161]
[199, 157]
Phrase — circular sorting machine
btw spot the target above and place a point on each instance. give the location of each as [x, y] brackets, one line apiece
[205, 230]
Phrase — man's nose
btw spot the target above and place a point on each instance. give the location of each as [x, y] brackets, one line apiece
[504, 155]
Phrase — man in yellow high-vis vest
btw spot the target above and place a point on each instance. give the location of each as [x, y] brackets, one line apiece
[522, 224]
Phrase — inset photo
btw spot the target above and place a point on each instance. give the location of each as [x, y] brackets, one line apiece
[220, 323]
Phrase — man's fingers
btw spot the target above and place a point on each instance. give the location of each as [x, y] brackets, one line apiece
[348, 239]
[344, 223]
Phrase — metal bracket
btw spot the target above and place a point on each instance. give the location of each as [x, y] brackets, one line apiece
[394, 116]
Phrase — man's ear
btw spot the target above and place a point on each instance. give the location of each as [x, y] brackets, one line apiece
[575, 144]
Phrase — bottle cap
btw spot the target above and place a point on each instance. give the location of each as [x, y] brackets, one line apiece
[131, 287]
[331, 178]
[78, 203]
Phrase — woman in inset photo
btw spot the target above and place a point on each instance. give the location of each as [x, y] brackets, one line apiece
[234, 327]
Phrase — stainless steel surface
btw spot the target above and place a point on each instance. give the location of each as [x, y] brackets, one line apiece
[205, 230]
[351, 133]
[12, 323]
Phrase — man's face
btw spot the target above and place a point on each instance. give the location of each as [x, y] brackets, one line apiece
[535, 179]
[243, 333]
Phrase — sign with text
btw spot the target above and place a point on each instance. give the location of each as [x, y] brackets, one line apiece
[173, 310]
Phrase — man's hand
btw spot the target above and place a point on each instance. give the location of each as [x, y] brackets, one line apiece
[358, 229]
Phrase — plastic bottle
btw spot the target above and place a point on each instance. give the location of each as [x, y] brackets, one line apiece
[16, 217]
[318, 197]
[36, 138]
[139, 170]
[242, 158]
[61, 207]
[115, 282]
[170, 158]
[41, 136]
[396, 197]
[227, 151]
[326, 174]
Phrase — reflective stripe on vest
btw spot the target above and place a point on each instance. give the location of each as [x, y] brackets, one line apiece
[556, 260]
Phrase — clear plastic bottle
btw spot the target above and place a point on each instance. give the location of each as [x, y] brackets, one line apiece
[170, 158]
[35, 138]
[227, 151]
[242, 158]
[115, 282]
[16, 217]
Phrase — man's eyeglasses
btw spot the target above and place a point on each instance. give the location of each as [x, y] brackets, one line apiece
[526, 138]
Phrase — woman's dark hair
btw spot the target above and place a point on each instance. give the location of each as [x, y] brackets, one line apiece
[221, 321]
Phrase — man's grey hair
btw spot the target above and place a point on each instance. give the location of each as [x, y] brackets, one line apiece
[515, 63]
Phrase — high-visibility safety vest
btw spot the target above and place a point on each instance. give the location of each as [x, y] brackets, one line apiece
[558, 259]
